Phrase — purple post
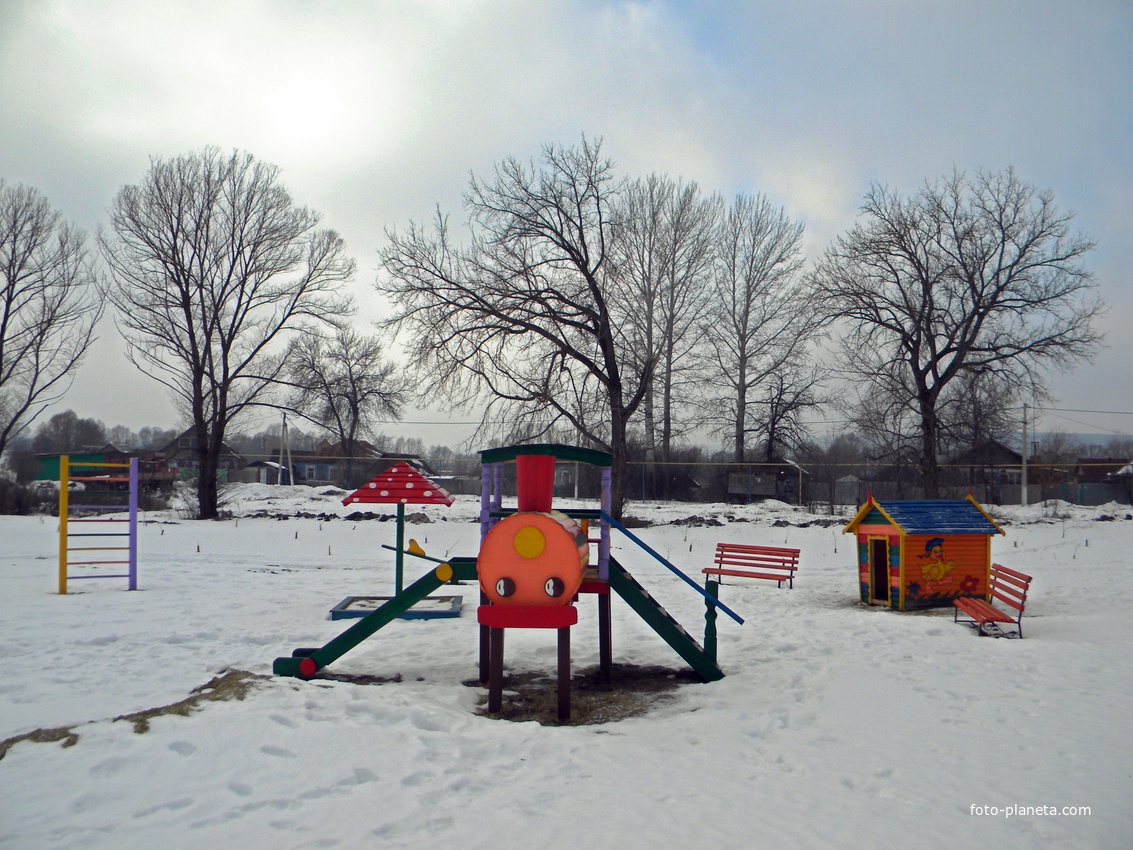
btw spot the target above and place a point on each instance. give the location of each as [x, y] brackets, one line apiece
[485, 499]
[498, 481]
[604, 527]
[133, 583]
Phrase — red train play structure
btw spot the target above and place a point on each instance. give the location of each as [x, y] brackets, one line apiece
[534, 565]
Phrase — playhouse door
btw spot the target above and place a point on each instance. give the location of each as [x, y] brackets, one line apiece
[879, 571]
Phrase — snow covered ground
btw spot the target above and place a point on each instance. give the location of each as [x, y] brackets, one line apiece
[837, 725]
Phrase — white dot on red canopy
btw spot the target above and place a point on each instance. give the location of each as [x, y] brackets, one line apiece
[428, 493]
[372, 485]
[384, 493]
[408, 485]
[404, 501]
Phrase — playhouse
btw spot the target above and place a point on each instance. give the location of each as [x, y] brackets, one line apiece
[924, 553]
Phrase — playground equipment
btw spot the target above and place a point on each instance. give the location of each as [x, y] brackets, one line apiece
[533, 565]
[66, 535]
[399, 485]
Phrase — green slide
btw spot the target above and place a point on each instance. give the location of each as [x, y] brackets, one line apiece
[662, 622]
[304, 663]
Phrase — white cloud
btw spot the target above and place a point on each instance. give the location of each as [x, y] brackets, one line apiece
[376, 111]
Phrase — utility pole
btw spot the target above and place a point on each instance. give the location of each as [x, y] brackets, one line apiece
[285, 454]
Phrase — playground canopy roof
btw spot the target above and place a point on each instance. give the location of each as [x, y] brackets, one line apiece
[400, 484]
[555, 450]
[929, 516]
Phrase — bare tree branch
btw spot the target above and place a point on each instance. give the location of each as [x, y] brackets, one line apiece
[523, 314]
[342, 383]
[763, 318]
[49, 306]
[970, 276]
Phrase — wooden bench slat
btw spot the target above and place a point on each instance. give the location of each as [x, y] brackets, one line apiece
[981, 610]
[769, 551]
[755, 562]
[1007, 571]
[744, 574]
[1014, 602]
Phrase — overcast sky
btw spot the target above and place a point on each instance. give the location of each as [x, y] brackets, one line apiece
[378, 111]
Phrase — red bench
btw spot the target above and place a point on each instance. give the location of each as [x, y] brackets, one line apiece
[768, 562]
[1008, 587]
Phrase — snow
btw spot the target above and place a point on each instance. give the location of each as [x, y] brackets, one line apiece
[837, 725]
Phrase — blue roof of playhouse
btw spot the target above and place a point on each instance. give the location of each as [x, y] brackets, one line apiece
[930, 516]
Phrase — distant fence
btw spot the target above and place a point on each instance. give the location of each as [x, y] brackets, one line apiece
[813, 486]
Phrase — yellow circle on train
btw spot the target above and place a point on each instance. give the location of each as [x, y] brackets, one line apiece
[530, 542]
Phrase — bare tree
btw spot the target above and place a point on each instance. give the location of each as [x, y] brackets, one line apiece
[778, 405]
[661, 257]
[344, 384]
[49, 306]
[978, 409]
[842, 458]
[211, 266]
[763, 317]
[968, 276]
[523, 313]
[67, 432]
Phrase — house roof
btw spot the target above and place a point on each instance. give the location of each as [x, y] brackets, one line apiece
[929, 516]
[1099, 468]
[334, 451]
[989, 452]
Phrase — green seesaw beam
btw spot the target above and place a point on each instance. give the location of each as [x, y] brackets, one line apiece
[305, 663]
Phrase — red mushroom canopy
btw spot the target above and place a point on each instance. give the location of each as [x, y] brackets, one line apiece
[400, 484]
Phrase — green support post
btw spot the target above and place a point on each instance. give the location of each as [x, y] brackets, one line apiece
[662, 622]
[713, 588]
[399, 562]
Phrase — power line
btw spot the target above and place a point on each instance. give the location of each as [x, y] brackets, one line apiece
[1077, 410]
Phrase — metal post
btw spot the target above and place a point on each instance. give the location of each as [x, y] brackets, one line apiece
[133, 571]
[1023, 489]
[64, 508]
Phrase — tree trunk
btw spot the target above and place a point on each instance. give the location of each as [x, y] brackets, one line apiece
[930, 466]
[741, 408]
[208, 460]
[619, 468]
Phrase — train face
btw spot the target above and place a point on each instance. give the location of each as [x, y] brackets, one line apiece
[533, 559]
